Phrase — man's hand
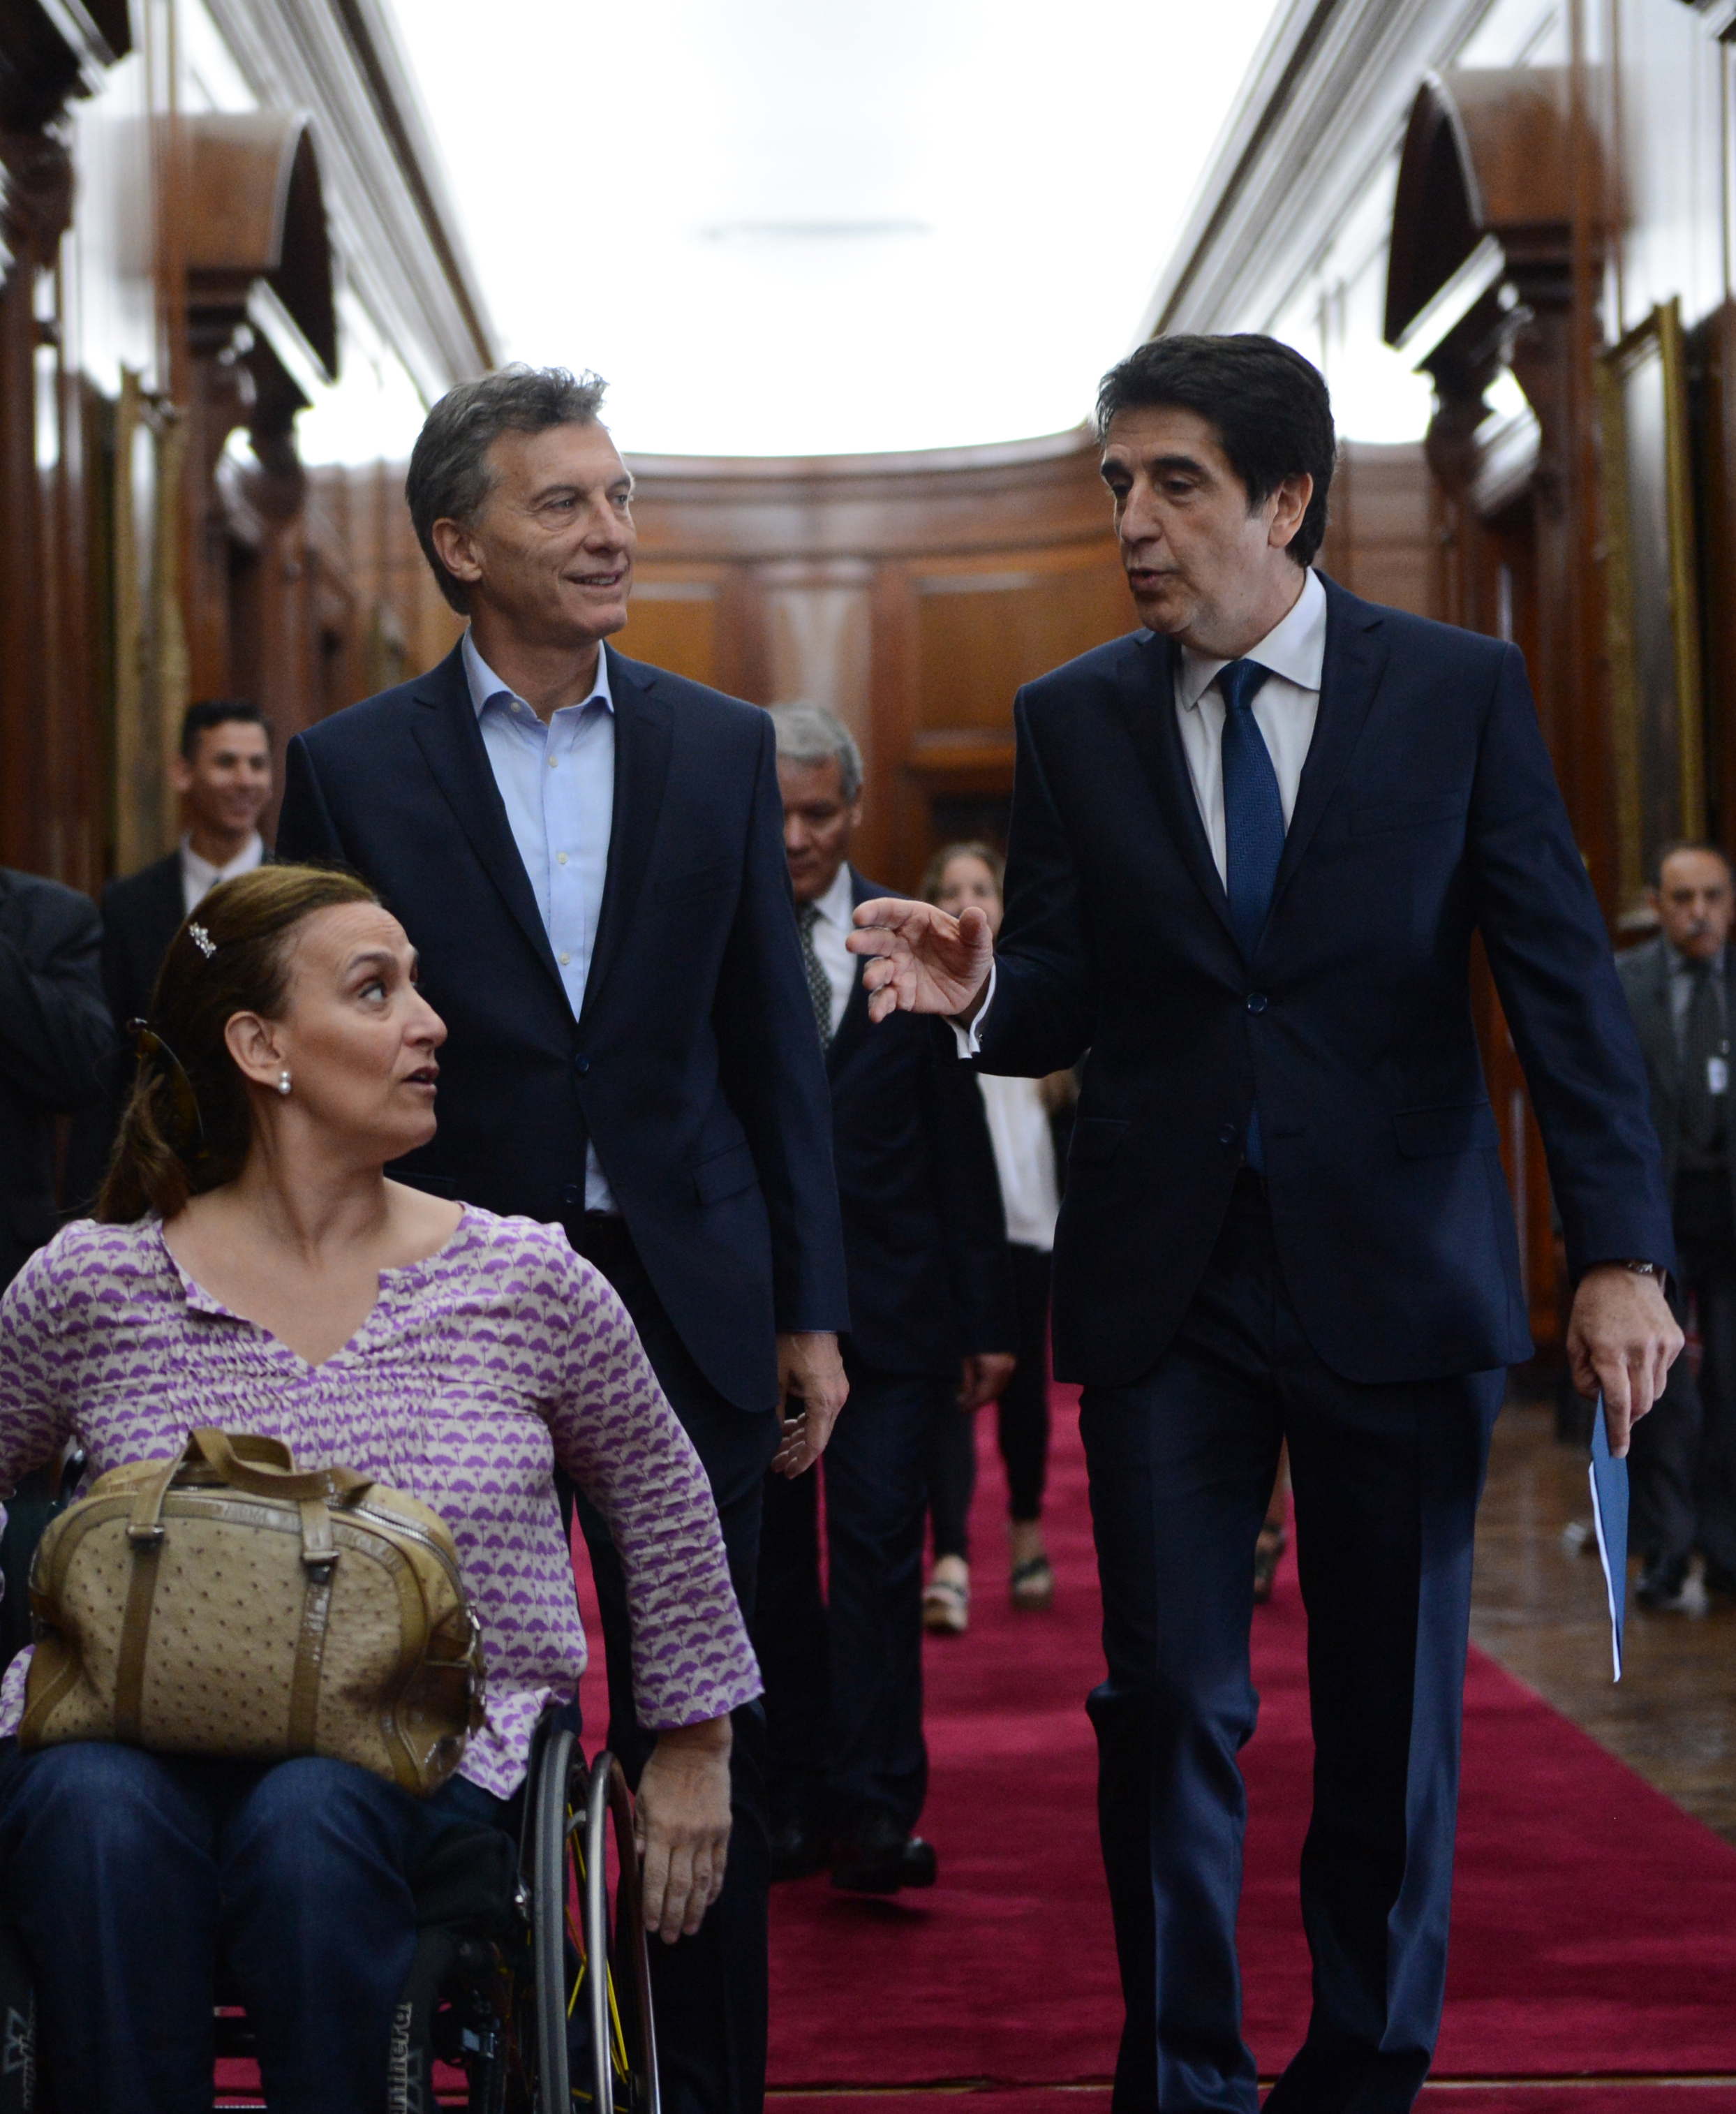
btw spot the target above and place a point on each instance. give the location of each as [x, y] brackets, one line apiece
[811, 1390]
[985, 1377]
[681, 1821]
[1622, 1339]
[923, 960]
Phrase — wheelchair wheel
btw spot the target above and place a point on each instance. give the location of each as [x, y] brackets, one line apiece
[597, 1959]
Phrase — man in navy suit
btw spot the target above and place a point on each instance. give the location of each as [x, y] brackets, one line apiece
[930, 1321]
[1250, 845]
[587, 854]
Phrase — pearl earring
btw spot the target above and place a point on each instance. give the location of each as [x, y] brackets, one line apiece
[283, 1082]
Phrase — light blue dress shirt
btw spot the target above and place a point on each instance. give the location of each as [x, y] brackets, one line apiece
[558, 785]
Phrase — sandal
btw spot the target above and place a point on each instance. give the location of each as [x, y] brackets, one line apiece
[1033, 1585]
[1274, 1539]
[946, 1608]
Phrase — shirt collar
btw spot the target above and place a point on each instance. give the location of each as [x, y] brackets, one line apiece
[837, 905]
[1295, 648]
[207, 876]
[486, 686]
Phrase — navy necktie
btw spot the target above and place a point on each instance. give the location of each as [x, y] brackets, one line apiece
[1253, 827]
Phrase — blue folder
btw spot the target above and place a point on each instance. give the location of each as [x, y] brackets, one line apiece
[1609, 1512]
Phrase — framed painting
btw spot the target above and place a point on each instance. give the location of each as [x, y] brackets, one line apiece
[1654, 619]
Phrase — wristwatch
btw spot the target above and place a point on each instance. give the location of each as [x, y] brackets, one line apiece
[1642, 1268]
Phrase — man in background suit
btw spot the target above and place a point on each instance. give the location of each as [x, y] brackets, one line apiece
[587, 854]
[1681, 987]
[55, 1038]
[55, 1047]
[1250, 847]
[930, 1320]
[222, 774]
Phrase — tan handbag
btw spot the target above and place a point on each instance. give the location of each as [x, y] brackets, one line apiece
[227, 1603]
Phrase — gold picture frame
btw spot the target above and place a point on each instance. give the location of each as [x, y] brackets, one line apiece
[1657, 712]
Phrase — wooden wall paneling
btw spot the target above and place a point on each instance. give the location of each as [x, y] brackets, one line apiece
[36, 212]
[674, 620]
[1714, 452]
[1382, 540]
[896, 823]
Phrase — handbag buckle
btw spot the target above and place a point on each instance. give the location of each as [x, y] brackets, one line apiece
[152, 1530]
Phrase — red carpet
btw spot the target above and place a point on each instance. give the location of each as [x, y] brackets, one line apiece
[1594, 1928]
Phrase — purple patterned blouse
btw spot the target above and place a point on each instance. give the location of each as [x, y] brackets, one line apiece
[478, 1370]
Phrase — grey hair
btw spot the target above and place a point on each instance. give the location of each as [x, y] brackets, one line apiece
[449, 476]
[813, 733]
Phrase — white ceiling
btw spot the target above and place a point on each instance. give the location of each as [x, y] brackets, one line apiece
[795, 227]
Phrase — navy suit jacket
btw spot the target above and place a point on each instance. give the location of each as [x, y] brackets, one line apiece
[693, 1066]
[925, 1234]
[1428, 811]
[55, 1039]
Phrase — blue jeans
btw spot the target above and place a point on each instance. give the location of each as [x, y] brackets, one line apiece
[127, 1873]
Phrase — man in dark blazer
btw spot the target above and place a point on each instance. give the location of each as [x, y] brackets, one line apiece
[55, 1041]
[587, 853]
[222, 773]
[1250, 847]
[930, 1322]
[1681, 988]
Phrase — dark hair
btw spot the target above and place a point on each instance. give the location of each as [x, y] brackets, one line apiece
[1688, 844]
[189, 1123]
[936, 871]
[217, 712]
[1270, 407]
[449, 476]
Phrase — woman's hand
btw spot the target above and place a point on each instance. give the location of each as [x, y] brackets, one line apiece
[682, 1822]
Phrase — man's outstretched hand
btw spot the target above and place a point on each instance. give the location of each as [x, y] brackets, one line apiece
[1622, 1340]
[922, 960]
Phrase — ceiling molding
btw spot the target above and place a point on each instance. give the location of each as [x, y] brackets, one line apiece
[392, 222]
[1323, 108]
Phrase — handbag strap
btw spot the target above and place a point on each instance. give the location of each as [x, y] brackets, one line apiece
[265, 1468]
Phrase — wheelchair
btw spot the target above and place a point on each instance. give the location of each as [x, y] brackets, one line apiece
[532, 1976]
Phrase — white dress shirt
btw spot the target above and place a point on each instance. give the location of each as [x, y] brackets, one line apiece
[1285, 707]
[557, 782]
[1024, 1158]
[199, 876]
[833, 925]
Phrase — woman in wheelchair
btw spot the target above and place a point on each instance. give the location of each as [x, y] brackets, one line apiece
[250, 1267]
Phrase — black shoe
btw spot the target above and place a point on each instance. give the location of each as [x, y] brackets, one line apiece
[1661, 1584]
[877, 1856]
[1719, 1579]
[798, 1848]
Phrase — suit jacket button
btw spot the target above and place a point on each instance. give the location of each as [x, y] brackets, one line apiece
[581, 1065]
[571, 1196]
[1256, 1001]
[1227, 1135]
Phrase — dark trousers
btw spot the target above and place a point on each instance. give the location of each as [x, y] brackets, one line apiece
[127, 1875]
[1022, 1416]
[844, 1674]
[709, 1991]
[1706, 1271]
[1663, 1465]
[1387, 1480]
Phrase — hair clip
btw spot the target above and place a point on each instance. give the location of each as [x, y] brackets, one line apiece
[203, 940]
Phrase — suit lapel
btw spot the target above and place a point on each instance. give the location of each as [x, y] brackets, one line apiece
[644, 738]
[1147, 707]
[445, 730]
[1355, 660]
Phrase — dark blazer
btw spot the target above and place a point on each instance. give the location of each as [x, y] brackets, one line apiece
[694, 1065]
[1428, 811]
[1644, 972]
[925, 1234]
[141, 913]
[55, 1037]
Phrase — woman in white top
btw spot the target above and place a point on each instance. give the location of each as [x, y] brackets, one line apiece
[1020, 1114]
